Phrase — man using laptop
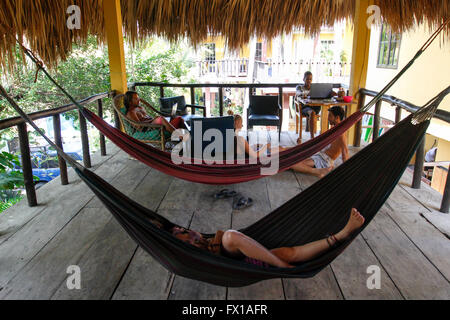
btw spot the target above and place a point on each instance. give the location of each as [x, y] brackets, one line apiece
[318, 92]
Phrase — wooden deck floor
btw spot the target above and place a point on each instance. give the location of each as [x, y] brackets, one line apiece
[71, 227]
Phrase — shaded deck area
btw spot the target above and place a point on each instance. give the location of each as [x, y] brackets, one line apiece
[408, 241]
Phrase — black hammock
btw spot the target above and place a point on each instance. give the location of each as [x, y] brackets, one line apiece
[364, 182]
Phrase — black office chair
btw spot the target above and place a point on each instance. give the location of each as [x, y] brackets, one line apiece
[264, 111]
[224, 125]
[167, 104]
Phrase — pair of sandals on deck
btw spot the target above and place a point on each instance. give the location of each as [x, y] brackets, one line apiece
[239, 201]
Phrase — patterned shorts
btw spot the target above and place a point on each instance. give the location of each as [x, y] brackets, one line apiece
[322, 160]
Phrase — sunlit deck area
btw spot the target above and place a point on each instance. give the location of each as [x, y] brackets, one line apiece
[70, 226]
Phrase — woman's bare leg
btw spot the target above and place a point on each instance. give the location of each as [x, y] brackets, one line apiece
[237, 244]
[313, 249]
[167, 125]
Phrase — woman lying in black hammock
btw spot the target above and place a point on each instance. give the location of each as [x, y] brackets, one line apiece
[235, 244]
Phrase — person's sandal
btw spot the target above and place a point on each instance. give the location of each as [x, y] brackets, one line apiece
[225, 193]
[242, 202]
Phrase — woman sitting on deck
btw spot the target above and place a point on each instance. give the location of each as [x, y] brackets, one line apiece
[236, 245]
[137, 113]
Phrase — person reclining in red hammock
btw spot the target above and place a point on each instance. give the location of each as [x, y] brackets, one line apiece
[237, 245]
[137, 113]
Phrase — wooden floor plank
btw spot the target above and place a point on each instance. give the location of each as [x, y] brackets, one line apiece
[350, 270]
[18, 215]
[209, 216]
[40, 278]
[102, 265]
[322, 286]
[433, 244]
[264, 290]
[413, 274]
[20, 248]
[145, 278]
[281, 188]
[127, 180]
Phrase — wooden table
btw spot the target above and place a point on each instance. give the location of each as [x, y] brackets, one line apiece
[324, 105]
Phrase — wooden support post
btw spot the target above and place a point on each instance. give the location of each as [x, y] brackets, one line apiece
[102, 137]
[280, 102]
[418, 166]
[161, 91]
[221, 101]
[445, 205]
[117, 120]
[113, 26]
[58, 142]
[398, 115]
[376, 120]
[84, 140]
[193, 95]
[360, 58]
[26, 164]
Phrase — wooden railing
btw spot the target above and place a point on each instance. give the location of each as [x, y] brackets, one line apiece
[400, 105]
[323, 70]
[221, 86]
[55, 114]
[223, 68]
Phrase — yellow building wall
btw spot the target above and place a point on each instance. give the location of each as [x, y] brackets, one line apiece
[424, 80]
[348, 41]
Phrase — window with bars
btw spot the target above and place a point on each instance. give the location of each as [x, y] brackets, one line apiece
[389, 49]
[258, 54]
[209, 50]
[327, 49]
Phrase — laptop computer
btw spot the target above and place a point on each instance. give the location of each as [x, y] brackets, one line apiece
[174, 109]
[321, 90]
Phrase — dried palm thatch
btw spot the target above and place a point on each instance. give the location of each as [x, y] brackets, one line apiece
[42, 23]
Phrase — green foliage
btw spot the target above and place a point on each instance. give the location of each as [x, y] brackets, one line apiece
[157, 61]
[5, 204]
[84, 73]
[9, 177]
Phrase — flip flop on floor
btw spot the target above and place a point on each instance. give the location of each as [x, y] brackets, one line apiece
[242, 202]
[225, 193]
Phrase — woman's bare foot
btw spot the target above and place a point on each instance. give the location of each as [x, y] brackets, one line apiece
[355, 221]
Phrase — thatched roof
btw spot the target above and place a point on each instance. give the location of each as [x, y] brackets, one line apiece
[42, 23]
